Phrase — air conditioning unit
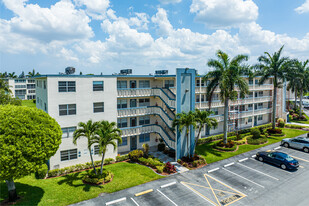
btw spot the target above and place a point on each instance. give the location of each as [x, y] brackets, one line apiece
[126, 71]
[69, 70]
[161, 72]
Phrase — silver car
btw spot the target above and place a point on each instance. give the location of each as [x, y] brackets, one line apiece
[301, 143]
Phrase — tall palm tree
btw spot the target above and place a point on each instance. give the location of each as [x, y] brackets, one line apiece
[185, 120]
[202, 118]
[107, 134]
[87, 130]
[302, 69]
[273, 66]
[293, 78]
[227, 74]
[12, 75]
[3, 75]
[33, 73]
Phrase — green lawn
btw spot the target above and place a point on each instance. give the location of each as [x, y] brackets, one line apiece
[297, 121]
[70, 189]
[211, 155]
[28, 103]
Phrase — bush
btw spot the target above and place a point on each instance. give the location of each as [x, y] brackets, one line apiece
[255, 133]
[160, 169]
[146, 149]
[41, 172]
[274, 131]
[135, 154]
[150, 162]
[293, 126]
[34, 101]
[230, 146]
[109, 161]
[253, 141]
[53, 173]
[281, 124]
[92, 178]
[122, 158]
[161, 147]
[169, 168]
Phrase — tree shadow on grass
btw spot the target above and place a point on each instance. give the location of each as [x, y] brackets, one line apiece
[29, 195]
[75, 180]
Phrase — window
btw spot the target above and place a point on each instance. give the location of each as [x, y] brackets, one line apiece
[133, 103]
[68, 154]
[144, 102]
[242, 108]
[169, 83]
[122, 103]
[31, 91]
[45, 107]
[215, 97]
[144, 84]
[98, 107]
[197, 98]
[202, 98]
[20, 92]
[144, 138]
[202, 83]
[40, 83]
[256, 82]
[215, 111]
[122, 84]
[132, 84]
[20, 86]
[250, 81]
[31, 81]
[197, 83]
[124, 142]
[249, 119]
[67, 109]
[44, 83]
[30, 96]
[96, 149]
[30, 86]
[66, 86]
[260, 105]
[242, 121]
[260, 117]
[122, 123]
[20, 81]
[20, 96]
[98, 85]
[144, 120]
[250, 107]
[250, 95]
[68, 132]
[260, 93]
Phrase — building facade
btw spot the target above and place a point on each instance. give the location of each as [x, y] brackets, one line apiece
[143, 106]
[22, 88]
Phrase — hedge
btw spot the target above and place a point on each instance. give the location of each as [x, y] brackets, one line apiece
[258, 141]
[226, 149]
[294, 126]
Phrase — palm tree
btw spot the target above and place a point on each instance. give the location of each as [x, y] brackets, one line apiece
[186, 120]
[273, 66]
[87, 130]
[33, 73]
[12, 75]
[227, 74]
[3, 75]
[107, 134]
[293, 77]
[202, 119]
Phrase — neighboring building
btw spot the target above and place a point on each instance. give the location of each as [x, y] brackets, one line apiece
[22, 88]
[143, 106]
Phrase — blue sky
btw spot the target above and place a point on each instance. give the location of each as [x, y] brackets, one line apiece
[105, 36]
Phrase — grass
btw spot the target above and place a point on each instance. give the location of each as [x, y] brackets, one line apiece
[28, 103]
[298, 121]
[211, 155]
[70, 189]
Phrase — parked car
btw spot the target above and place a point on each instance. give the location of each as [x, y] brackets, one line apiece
[301, 143]
[279, 159]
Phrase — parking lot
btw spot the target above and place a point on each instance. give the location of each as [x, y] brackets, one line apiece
[240, 180]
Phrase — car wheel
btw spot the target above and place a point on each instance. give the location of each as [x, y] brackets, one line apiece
[261, 159]
[306, 149]
[286, 145]
[283, 166]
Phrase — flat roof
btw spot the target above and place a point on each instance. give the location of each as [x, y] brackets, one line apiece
[85, 75]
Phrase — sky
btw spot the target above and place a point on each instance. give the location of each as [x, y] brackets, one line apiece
[105, 36]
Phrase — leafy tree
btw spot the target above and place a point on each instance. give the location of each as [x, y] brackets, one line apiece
[185, 120]
[87, 130]
[107, 134]
[28, 138]
[22, 75]
[227, 75]
[4, 85]
[33, 73]
[202, 118]
[5, 94]
[276, 67]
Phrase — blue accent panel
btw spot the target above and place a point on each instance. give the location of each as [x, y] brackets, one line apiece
[185, 102]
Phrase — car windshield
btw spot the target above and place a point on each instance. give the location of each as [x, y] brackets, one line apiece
[287, 157]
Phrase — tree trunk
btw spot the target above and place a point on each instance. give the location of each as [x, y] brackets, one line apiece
[12, 190]
[95, 171]
[198, 136]
[103, 154]
[187, 134]
[301, 103]
[274, 108]
[226, 116]
[295, 103]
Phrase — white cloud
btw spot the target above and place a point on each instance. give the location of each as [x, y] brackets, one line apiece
[303, 8]
[170, 1]
[95, 8]
[223, 13]
[163, 24]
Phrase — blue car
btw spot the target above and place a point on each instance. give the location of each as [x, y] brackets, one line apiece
[279, 159]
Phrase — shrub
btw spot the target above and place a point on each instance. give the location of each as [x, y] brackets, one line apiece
[146, 149]
[230, 146]
[195, 163]
[53, 173]
[41, 172]
[109, 161]
[281, 124]
[34, 101]
[274, 131]
[255, 133]
[92, 178]
[291, 111]
[135, 154]
[97, 163]
[160, 169]
[293, 126]
[185, 164]
[253, 141]
[161, 147]
[122, 158]
[179, 161]
[169, 168]
[150, 162]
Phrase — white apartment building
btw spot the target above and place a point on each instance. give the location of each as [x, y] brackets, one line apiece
[22, 88]
[143, 106]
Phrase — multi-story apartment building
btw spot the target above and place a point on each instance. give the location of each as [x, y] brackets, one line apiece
[143, 106]
[22, 88]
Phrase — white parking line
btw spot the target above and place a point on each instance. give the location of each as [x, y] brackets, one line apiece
[299, 158]
[167, 185]
[258, 171]
[277, 148]
[134, 201]
[213, 170]
[167, 197]
[115, 201]
[254, 156]
[196, 192]
[270, 165]
[227, 165]
[243, 159]
[243, 178]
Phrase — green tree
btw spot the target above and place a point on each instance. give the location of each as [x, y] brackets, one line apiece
[293, 77]
[227, 75]
[5, 94]
[4, 86]
[273, 66]
[107, 134]
[202, 118]
[87, 130]
[28, 138]
[3, 75]
[185, 120]
[33, 73]
[12, 75]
